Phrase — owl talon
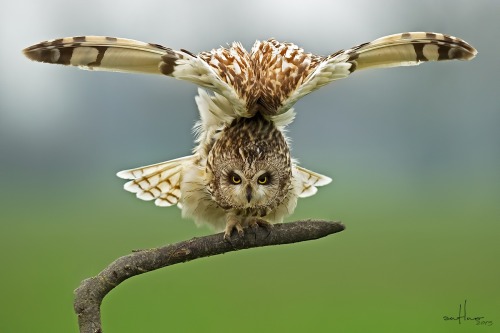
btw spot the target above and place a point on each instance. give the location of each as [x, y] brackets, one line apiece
[229, 230]
[260, 223]
[255, 224]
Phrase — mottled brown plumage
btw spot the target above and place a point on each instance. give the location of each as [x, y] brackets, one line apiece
[249, 147]
[265, 77]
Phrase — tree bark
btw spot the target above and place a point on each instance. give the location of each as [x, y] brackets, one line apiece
[91, 292]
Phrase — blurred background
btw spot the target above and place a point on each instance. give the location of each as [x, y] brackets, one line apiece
[414, 154]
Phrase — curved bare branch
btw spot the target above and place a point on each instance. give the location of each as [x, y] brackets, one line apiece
[91, 292]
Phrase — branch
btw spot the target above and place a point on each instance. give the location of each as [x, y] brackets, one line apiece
[89, 295]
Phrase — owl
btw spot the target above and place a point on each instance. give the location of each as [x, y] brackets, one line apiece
[241, 173]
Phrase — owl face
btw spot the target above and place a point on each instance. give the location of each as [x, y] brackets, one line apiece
[239, 185]
[249, 166]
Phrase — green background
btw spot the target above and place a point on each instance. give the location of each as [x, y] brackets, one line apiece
[414, 154]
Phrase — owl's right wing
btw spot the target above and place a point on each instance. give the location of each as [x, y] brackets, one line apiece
[403, 49]
[160, 182]
[127, 55]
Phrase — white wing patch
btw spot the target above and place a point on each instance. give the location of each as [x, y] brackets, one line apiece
[160, 182]
[310, 181]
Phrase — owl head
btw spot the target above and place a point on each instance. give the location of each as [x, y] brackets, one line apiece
[249, 166]
[260, 185]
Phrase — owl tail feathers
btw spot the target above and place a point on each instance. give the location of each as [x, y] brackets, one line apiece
[309, 181]
[160, 182]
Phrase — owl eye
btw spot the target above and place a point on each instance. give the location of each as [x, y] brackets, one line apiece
[263, 179]
[235, 179]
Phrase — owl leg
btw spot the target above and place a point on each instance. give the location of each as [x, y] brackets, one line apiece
[233, 222]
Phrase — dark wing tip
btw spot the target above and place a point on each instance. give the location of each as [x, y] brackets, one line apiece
[470, 53]
[50, 52]
[39, 52]
[452, 48]
[463, 50]
[35, 53]
[458, 50]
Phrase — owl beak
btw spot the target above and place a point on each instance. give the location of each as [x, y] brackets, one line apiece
[249, 193]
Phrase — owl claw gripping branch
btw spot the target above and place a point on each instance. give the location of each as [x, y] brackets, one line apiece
[241, 173]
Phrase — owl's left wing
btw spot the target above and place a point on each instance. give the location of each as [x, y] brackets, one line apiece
[126, 55]
[404, 49]
[309, 181]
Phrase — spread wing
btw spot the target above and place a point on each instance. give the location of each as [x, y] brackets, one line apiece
[309, 72]
[160, 182]
[270, 79]
[309, 181]
[126, 55]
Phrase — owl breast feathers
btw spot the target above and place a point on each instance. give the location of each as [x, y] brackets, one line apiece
[241, 172]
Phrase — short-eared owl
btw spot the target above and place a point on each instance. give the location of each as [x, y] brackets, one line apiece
[241, 172]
